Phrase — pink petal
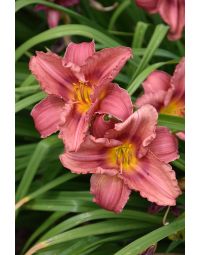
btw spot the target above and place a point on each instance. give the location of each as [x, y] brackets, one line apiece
[154, 99]
[157, 81]
[46, 115]
[90, 158]
[165, 145]
[116, 101]
[74, 127]
[155, 180]
[148, 5]
[52, 75]
[169, 12]
[53, 17]
[109, 192]
[178, 81]
[174, 102]
[105, 64]
[173, 13]
[139, 128]
[156, 88]
[78, 53]
[100, 126]
[181, 135]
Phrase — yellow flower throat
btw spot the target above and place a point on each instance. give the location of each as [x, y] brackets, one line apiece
[123, 157]
[174, 108]
[81, 96]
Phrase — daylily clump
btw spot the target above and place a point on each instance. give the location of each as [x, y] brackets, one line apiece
[165, 92]
[171, 11]
[54, 16]
[124, 151]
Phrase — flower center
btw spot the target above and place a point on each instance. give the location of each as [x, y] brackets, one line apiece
[175, 108]
[81, 96]
[123, 156]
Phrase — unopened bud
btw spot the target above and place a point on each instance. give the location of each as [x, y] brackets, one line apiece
[150, 251]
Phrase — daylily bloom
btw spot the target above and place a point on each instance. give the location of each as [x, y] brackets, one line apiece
[171, 11]
[78, 86]
[133, 155]
[53, 16]
[165, 92]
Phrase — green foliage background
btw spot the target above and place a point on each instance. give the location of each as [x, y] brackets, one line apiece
[53, 206]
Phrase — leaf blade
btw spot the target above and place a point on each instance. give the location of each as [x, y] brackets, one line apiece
[151, 238]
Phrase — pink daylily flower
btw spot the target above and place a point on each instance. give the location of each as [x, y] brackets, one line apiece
[53, 16]
[133, 155]
[101, 124]
[165, 92]
[79, 86]
[171, 11]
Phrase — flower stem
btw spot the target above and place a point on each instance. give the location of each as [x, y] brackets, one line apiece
[165, 216]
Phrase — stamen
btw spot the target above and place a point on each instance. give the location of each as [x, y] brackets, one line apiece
[124, 156]
[81, 96]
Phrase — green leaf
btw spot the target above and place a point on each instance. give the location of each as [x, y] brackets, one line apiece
[156, 39]
[24, 150]
[117, 13]
[64, 30]
[68, 206]
[181, 48]
[101, 214]
[85, 245]
[139, 34]
[54, 183]
[39, 153]
[134, 85]
[28, 89]
[44, 226]
[179, 163]
[157, 53]
[172, 122]
[28, 81]
[173, 245]
[22, 3]
[21, 163]
[141, 51]
[120, 33]
[22, 104]
[110, 226]
[71, 203]
[153, 237]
